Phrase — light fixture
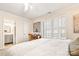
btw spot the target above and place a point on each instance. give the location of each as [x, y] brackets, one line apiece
[26, 6]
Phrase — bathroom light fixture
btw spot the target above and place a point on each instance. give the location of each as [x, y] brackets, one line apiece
[8, 24]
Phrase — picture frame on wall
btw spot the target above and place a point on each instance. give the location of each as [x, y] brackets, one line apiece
[76, 23]
[37, 27]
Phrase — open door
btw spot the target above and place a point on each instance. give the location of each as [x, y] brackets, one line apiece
[1, 33]
[9, 32]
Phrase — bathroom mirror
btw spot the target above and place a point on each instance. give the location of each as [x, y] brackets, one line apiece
[7, 29]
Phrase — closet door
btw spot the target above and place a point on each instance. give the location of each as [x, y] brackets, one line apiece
[26, 30]
[19, 31]
[1, 33]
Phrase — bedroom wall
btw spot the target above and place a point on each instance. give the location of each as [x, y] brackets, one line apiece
[69, 12]
[19, 25]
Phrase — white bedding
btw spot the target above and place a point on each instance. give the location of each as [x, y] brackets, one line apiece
[40, 47]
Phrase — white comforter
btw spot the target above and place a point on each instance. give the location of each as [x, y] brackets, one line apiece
[41, 47]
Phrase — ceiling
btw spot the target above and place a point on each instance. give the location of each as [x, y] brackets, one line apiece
[34, 9]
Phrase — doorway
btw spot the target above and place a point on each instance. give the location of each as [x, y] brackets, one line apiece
[9, 33]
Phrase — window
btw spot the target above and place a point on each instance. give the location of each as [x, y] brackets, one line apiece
[47, 29]
[55, 28]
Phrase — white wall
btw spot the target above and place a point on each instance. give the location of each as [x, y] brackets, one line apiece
[69, 13]
[19, 24]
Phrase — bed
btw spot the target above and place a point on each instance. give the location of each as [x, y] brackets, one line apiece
[40, 47]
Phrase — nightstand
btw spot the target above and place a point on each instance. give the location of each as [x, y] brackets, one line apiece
[34, 36]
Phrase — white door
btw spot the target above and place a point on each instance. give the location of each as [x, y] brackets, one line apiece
[19, 31]
[26, 30]
[1, 33]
